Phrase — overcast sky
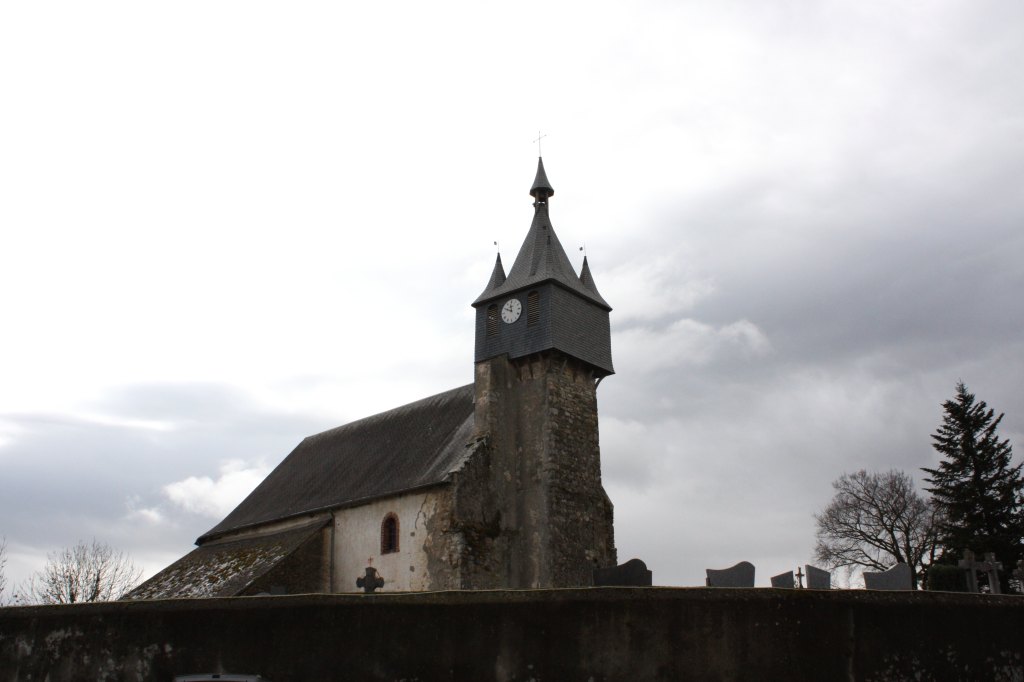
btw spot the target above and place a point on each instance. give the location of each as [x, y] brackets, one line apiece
[228, 225]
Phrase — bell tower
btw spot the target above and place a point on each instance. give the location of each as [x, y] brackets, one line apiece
[543, 344]
[543, 305]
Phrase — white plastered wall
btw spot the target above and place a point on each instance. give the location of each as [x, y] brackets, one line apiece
[357, 542]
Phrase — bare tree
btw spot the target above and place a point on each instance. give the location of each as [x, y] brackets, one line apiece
[876, 520]
[83, 573]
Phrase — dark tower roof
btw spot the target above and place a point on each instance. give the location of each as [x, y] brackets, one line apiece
[540, 183]
[541, 257]
[587, 278]
[497, 276]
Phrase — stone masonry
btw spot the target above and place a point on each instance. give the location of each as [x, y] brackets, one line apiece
[537, 512]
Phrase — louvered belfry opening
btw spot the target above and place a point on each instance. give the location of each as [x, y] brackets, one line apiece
[492, 320]
[532, 308]
[389, 534]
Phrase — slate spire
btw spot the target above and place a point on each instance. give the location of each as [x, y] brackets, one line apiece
[497, 276]
[541, 258]
[588, 279]
[541, 189]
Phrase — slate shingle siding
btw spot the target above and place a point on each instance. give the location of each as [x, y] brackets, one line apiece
[567, 323]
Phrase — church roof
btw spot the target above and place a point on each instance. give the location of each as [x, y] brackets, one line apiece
[225, 569]
[407, 448]
[541, 257]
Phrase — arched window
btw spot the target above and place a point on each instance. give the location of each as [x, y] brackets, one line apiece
[389, 534]
[492, 320]
[532, 308]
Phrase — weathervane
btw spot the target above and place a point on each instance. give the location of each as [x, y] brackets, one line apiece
[539, 137]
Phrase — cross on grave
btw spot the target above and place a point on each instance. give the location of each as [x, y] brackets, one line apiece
[371, 581]
[1018, 575]
[969, 565]
[799, 577]
[990, 567]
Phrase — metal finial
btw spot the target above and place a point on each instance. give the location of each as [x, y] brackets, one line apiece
[539, 138]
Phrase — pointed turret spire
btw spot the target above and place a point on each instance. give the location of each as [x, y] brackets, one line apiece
[497, 276]
[541, 189]
[588, 279]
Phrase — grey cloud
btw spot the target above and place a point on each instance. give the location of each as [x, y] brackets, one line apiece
[67, 478]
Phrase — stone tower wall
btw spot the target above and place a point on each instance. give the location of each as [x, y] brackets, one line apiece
[530, 507]
[579, 511]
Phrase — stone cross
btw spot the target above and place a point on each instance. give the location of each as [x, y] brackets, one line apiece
[990, 567]
[1018, 574]
[371, 581]
[799, 577]
[968, 564]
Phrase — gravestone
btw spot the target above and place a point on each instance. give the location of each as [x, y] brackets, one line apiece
[818, 579]
[371, 581]
[740, 575]
[785, 580]
[896, 578]
[990, 567]
[633, 573]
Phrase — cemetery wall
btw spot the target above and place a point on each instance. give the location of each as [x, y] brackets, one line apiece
[579, 634]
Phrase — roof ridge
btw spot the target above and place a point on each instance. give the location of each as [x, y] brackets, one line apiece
[392, 411]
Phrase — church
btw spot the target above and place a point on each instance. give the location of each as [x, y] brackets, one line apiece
[494, 485]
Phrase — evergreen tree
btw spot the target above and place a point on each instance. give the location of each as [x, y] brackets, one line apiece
[976, 486]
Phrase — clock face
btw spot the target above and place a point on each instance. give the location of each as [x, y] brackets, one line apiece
[511, 311]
